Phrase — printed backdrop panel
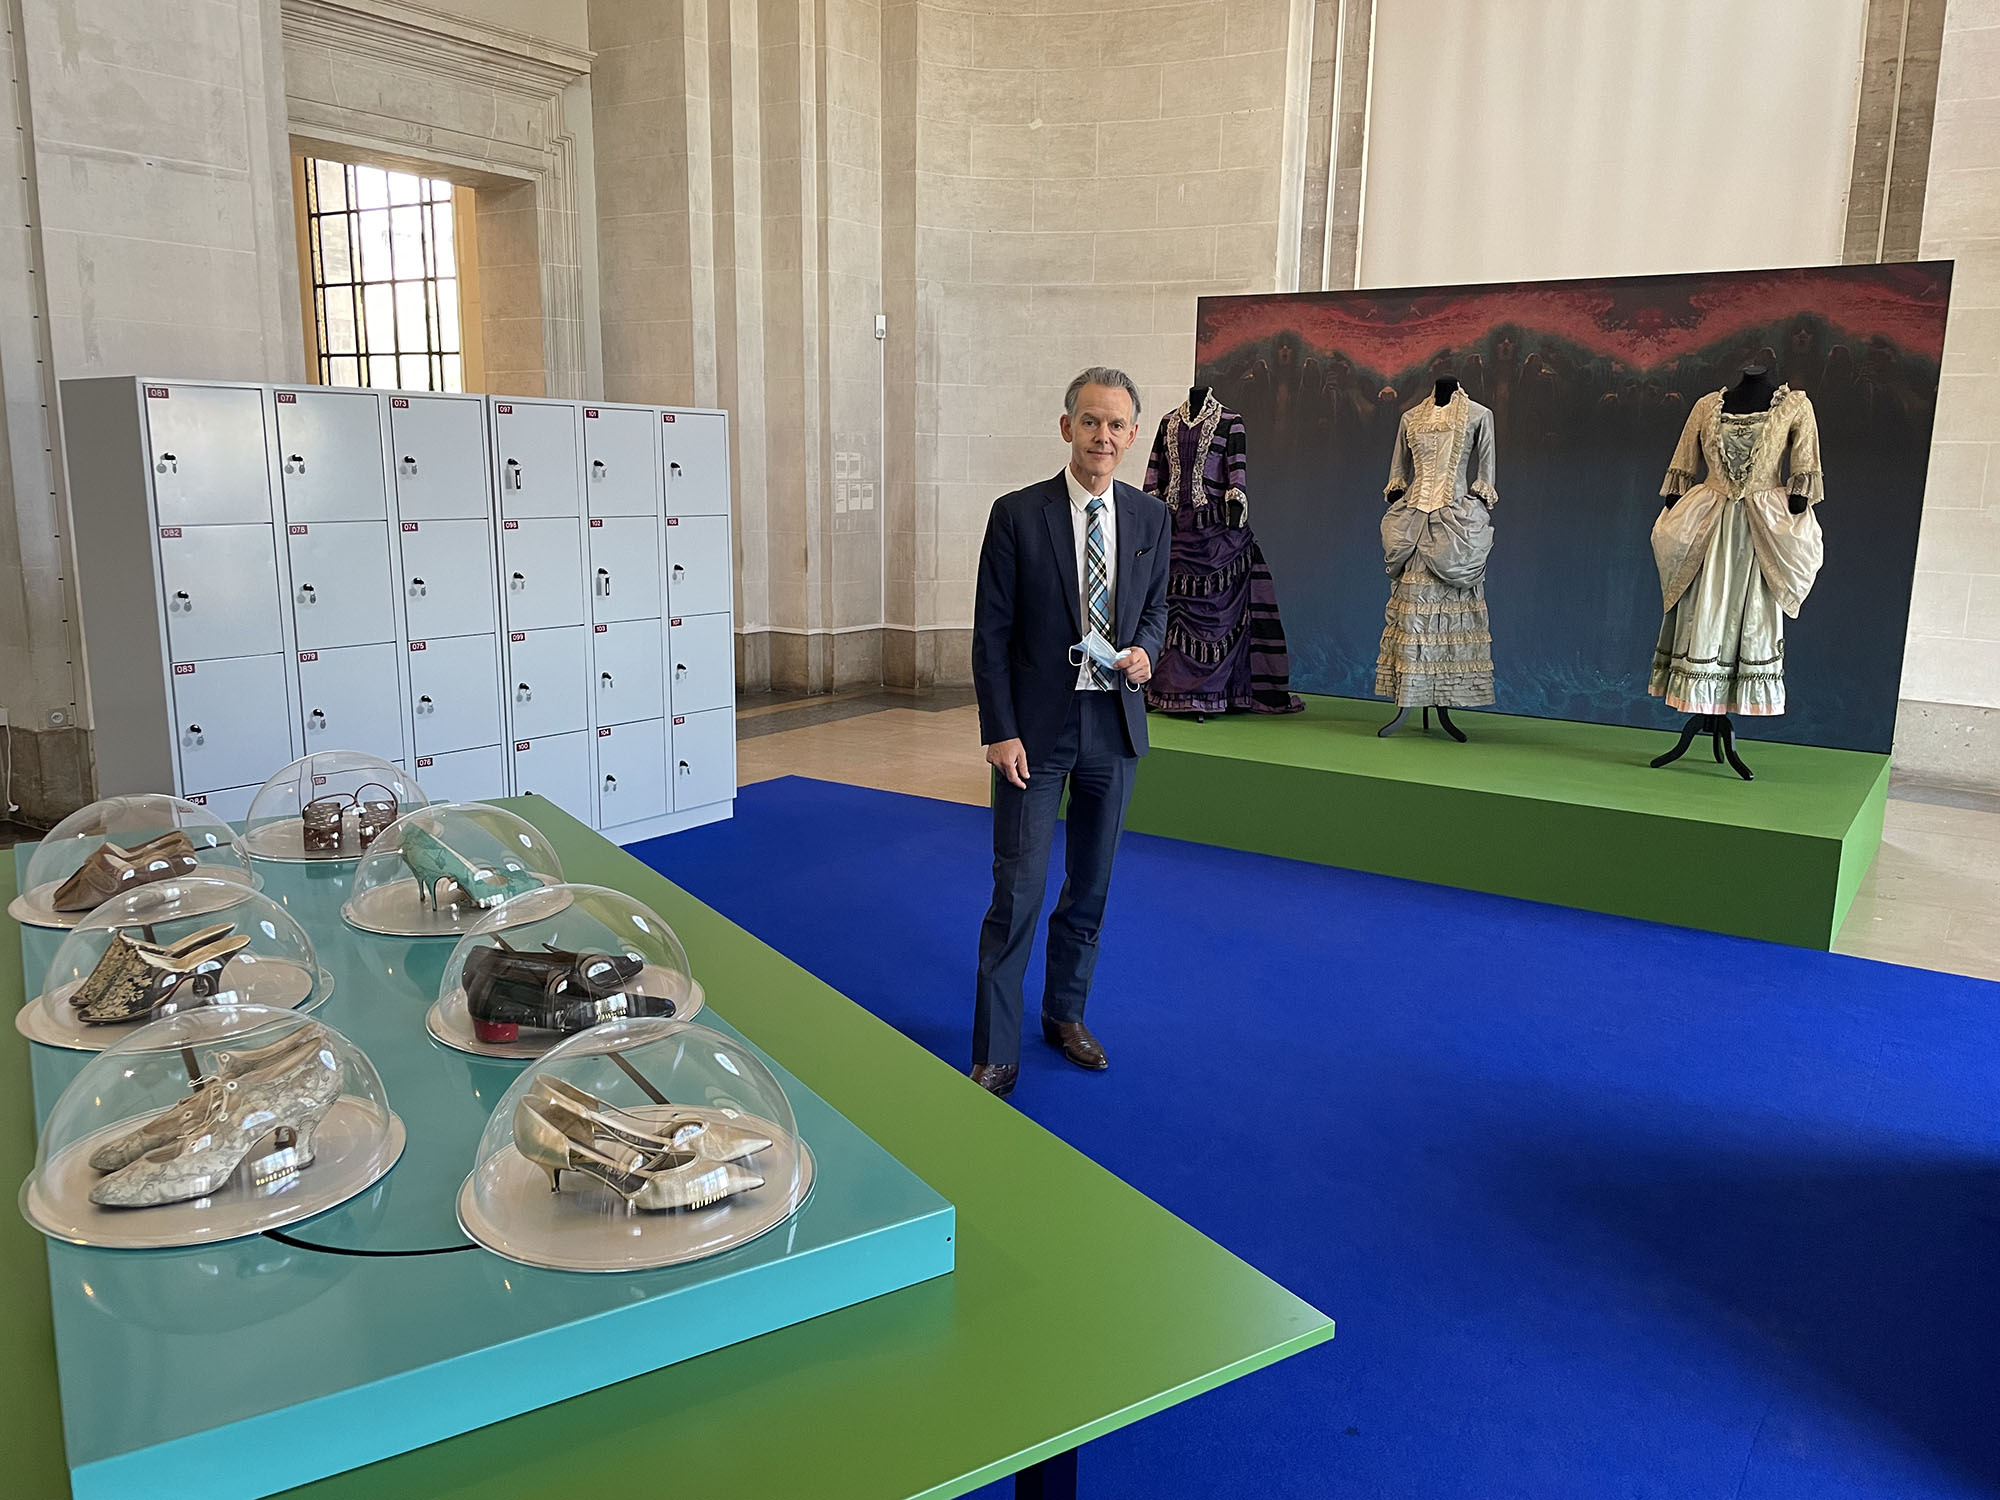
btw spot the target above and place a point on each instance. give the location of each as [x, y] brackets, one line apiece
[1590, 383]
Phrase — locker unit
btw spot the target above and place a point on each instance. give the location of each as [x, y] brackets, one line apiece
[526, 595]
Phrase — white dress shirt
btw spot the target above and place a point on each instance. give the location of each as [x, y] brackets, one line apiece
[1107, 520]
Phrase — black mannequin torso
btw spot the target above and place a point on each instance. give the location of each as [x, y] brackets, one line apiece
[1197, 399]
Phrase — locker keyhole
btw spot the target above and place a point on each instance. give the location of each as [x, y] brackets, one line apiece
[294, 464]
[418, 588]
[523, 693]
[193, 736]
[306, 594]
[425, 706]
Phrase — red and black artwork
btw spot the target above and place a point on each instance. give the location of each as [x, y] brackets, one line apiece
[1590, 383]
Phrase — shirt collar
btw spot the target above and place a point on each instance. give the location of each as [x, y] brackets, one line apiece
[1079, 497]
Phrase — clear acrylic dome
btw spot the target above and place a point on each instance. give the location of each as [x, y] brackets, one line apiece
[209, 1125]
[664, 1142]
[438, 870]
[328, 806]
[168, 947]
[556, 961]
[118, 845]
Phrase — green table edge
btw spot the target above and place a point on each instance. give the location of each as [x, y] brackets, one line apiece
[843, 1053]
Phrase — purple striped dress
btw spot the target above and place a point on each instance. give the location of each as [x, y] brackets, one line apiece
[1225, 647]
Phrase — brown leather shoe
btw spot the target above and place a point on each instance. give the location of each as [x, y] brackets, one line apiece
[996, 1078]
[1077, 1044]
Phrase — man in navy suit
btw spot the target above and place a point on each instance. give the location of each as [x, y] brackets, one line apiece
[1076, 559]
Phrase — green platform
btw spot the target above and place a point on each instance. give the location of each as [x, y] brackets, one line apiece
[1540, 808]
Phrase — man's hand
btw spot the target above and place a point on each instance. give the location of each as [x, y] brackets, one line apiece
[1135, 664]
[1010, 757]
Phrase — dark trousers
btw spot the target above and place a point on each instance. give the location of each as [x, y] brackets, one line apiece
[1093, 757]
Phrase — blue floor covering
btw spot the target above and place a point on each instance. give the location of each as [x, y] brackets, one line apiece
[1602, 1208]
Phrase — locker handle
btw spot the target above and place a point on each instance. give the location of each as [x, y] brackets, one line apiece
[295, 463]
[418, 588]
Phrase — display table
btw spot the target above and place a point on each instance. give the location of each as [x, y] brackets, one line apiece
[1540, 808]
[1076, 1306]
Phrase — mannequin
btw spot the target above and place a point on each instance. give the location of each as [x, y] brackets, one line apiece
[1755, 391]
[1441, 393]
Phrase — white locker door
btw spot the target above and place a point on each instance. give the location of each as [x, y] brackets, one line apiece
[207, 447]
[546, 687]
[231, 804]
[349, 699]
[631, 773]
[702, 663]
[231, 723]
[464, 775]
[542, 563]
[698, 565]
[704, 758]
[537, 449]
[330, 455]
[221, 584]
[455, 693]
[621, 469]
[625, 669]
[697, 463]
[440, 454]
[557, 768]
[624, 568]
[342, 589]
[448, 578]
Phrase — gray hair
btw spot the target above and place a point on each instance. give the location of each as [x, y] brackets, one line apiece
[1103, 375]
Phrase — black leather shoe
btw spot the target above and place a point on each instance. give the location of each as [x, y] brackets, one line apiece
[996, 1078]
[1077, 1044]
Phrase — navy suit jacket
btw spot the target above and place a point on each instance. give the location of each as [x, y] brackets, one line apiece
[1028, 611]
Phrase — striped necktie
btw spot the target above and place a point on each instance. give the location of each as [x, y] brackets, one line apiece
[1097, 587]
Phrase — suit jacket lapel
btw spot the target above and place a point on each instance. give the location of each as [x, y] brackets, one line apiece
[1062, 534]
[1127, 595]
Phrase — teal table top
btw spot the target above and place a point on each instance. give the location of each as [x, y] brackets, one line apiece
[1077, 1305]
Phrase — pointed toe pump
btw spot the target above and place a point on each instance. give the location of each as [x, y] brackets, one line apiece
[434, 862]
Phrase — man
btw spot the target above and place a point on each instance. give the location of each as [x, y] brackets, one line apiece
[1073, 559]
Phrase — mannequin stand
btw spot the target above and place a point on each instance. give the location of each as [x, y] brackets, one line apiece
[1444, 718]
[1717, 726]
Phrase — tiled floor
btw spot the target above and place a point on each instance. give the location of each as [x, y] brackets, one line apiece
[1932, 899]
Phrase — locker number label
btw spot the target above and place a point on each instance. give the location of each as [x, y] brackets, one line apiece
[308, 656]
[680, 718]
[183, 669]
[170, 533]
[504, 409]
[156, 393]
[399, 403]
[517, 635]
[596, 523]
[510, 525]
[590, 411]
[423, 762]
[522, 744]
[296, 530]
[420, 645]
[288, 398]
[604, 734]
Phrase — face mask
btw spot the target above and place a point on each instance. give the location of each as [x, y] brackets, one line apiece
[1096, 648]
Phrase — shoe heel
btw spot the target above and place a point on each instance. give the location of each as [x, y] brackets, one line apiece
[495, 1031]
